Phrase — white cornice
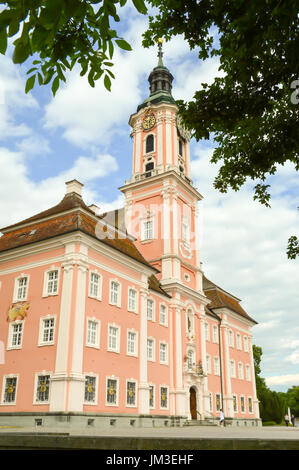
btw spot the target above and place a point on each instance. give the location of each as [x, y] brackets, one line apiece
[161, 176]
[170, 285]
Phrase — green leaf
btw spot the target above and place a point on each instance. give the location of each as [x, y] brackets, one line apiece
[30, 83]
[55, 85]
[90, 79]
[21, 52]
[140, 5]
[123, 44]
[40, 78]
[111, 49]
[107, 82]
[3, 41]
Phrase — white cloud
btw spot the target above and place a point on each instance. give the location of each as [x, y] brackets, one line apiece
[291, 379]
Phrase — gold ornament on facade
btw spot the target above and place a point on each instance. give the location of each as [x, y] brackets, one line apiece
[149, 121]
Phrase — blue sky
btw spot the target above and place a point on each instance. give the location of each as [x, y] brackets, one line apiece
[83, 133]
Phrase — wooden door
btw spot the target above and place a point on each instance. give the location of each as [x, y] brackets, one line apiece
[193, 409]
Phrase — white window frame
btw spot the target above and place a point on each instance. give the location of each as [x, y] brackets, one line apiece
[236, 397]
[231, 341]
[96, 343]
[37, 375]
[232, 369]
[248, 372]
[134, 308]
[163, 323]
[242, 411]
[116, 379]
[218, 407]
[117, 348]
[160, 397]
[147, 229]
[5, 377]
[153, 396]
[153, 318]
[249, 399]
[246, 349]
[42, 321]
[20, 324]
[134, 405]
[208, 364]
[112, 301]
[216, 368]
[95, 401]
[240, 370]
[47, 273]
[16, 297]
[239, 341]
[215, 334]
[163, 361]
[91, 294]
[153, 358]
[135, 352]
[191, 358]
[207, 331]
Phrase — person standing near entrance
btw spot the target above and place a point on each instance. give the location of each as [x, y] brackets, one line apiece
[221, 418]
[286, 419]
[293, 420]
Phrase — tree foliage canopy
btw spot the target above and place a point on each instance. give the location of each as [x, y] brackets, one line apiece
[251, 111]
[61, 33]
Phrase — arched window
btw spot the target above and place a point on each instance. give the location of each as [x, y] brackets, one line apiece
[149, 147]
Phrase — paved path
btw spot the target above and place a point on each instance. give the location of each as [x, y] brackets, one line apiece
[192, 432]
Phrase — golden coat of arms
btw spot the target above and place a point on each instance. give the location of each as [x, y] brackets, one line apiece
[18, 311]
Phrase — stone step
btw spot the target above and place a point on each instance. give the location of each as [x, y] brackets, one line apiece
[197, 422]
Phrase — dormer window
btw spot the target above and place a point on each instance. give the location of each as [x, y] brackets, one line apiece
[149, 146]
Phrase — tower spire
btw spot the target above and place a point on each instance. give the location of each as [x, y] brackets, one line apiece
[160, 53]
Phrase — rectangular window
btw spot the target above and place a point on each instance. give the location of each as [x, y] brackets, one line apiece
[111, 396]
[208, 363]
[132, 343]
[164, 397]
[231, 338]
[114, 293]
[211, 401]
[150, 350]
[245, 344]
[15, 335]
[207, 331]
[163, 315]
[148, 233]
[242, 399]
[215, 334]
[247, 371]
[94, 285]
[235, 403]
[42, 389]
[239, 345]
[93, 336]
[218, 401]
[250, 404]
[90, 389]
[113, 339]
[52, 282]
[152, 396]
[22, 288]
[10, 390]
[163, 353]
[240, 370]
[131, 393]
[232, 369]
[47, 336]
[150, 309]
[216, 366]
[132, 300]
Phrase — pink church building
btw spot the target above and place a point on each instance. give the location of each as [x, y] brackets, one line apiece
[108, 319]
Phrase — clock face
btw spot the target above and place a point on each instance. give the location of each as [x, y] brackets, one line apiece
[149, 121]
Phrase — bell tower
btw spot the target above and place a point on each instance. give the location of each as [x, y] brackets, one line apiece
[161, 201]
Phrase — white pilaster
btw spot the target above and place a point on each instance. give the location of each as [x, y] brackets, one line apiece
[143, 383]
[59, 380]
[252, 372]
[227, 398]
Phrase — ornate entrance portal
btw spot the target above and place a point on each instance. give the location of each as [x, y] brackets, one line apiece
[193, 404]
